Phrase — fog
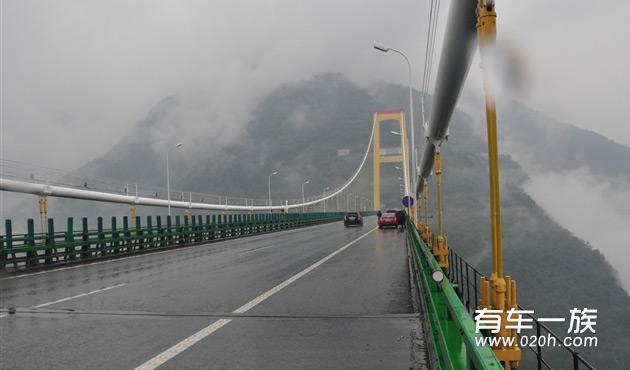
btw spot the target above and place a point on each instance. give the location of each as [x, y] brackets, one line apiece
[593, 209]
[73, 70]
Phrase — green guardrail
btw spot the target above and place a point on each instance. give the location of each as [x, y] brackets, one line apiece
[37, 249]
[451, 327]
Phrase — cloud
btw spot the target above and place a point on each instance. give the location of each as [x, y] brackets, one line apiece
[594, 210]
[105, 64]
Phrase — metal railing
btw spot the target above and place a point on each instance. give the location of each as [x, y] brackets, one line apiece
[466, 279]
[452, 329]
[53, 247]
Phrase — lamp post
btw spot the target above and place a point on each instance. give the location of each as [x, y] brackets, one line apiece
[413, 126]
[303, 201]
[168, 178]
[269, 186]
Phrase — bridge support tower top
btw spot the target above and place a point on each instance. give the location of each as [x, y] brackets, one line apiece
[381, 156]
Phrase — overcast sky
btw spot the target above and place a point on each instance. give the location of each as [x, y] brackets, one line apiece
[76, 75]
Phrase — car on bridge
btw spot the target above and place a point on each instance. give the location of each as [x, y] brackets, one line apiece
[352, 218]
[388, 219]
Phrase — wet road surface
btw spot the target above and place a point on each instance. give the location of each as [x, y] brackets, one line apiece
[317, 297]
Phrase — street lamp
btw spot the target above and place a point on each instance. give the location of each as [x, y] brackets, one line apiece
[168, 178]
[413, 126]
[304, 183]
[269, 186]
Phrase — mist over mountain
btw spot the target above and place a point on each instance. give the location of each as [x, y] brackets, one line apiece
[556, 146]
[318, 130]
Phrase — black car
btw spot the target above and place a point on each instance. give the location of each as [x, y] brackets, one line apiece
[352, 218]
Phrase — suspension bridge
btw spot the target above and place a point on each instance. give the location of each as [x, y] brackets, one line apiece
[270, 283]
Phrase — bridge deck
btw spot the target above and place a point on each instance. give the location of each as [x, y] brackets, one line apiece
[347, 310]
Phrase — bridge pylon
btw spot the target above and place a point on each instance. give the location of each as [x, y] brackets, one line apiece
[382, 156]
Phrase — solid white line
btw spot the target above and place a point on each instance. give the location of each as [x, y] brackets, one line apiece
[190, 341]
[79, 295]
[74, 297]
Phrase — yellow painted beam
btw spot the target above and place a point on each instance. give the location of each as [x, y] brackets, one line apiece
[392, 159]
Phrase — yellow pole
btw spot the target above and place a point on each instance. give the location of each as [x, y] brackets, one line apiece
[438, 187]
[486, 34]
[43, 212]
[440, 249]
[503, 293]
[133, 213]
[425, 201]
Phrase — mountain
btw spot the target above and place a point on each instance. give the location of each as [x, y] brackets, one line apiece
[318, 130]
[556, 146]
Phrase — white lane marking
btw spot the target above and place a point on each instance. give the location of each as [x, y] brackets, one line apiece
[122, 258]
[258, 249]
[79, 295]
[180, 347]
[74, 297]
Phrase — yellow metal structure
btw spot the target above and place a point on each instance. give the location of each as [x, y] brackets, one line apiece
[498, 292]
[427, 235]
[133, 213]
[43, 213]
[379, 157]
[440, 247]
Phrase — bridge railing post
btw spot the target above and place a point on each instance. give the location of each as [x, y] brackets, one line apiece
[169, 230]
[100, 237]
[139, 234]
[69, 250]
[115, 244]
[100, 244]
[193, 229]
[126, 234]
[186, 229]
[6, 244]
[85, 238]
[178, 230]
[32, 258]
[200, 228]
[162, 239]
[150, 233]
[50, 242]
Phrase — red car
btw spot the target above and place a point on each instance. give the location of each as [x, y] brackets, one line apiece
[387, 219]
